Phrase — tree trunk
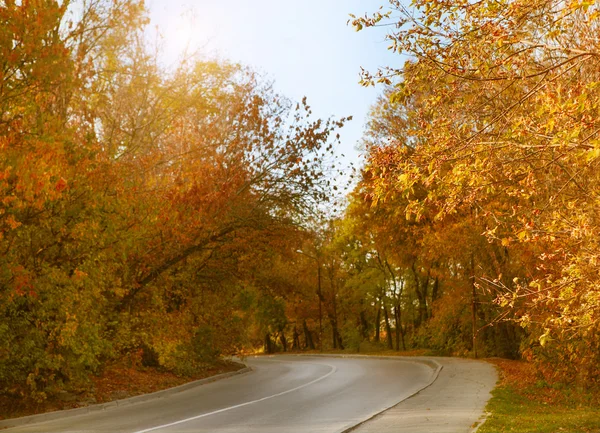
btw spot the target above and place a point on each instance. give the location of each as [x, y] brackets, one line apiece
[388, 328]
[340, 342]
[423, 307]
[473, 306]
[268, 343]
[421, 292]
[308, 340]
[377, 323]
[335, 335]
[334, 338]
[435, 290]
[283, 340]
[296, 339]
[364, 326]
[399, 328]
[397, 313]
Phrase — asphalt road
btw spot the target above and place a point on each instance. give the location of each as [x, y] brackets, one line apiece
[283, 394]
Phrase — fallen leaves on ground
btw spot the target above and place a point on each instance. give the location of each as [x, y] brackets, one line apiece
[116, 382]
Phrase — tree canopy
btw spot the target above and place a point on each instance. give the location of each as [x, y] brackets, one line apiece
[492, 119]
[139, 204]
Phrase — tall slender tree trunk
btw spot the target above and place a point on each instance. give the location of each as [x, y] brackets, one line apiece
[336, 336]
[397, 312]
[308, 340]
[377, 323]
[364, 326]
[435, 290]
[320, 295]
[473, 306]
[388, 328]
[423, 307]
[283, 340]
[340, 342]
[333, 333]
[399, 328]
[421, 292]
[296, 339]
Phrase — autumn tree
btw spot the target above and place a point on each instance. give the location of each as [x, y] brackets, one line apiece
[138, 202]
[506, 131]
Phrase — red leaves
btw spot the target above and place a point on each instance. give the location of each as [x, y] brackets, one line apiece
[60, 185]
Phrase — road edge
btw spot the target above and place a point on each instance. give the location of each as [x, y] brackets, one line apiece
[385, 419]
[429, 361]
[434, 377]
[486, 414]
[49, 416]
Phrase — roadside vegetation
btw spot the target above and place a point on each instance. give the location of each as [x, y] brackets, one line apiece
[524, 402]
[115, 382]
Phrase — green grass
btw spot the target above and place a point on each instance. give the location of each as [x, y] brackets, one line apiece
[513, 411]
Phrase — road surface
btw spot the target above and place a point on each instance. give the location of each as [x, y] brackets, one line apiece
[282, 394]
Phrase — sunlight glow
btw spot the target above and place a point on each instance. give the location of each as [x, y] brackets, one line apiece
[181, 35]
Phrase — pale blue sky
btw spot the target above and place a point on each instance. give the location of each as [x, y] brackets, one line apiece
[306, 47]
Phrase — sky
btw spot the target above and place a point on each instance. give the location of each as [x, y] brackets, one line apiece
[304, 46]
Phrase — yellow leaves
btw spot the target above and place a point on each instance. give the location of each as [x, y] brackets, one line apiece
[69, 329]
[545, 338]
[549, 127]
[593, 153]
[432, 166]
[523, 235]
[504, 122]
[584, 5]
[403, 179]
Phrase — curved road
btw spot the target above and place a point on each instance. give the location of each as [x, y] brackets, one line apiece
[283, 394]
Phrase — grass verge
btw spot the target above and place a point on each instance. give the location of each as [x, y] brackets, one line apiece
[522, 402]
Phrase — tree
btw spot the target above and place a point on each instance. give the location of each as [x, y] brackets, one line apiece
[507, 132]
[138, 202]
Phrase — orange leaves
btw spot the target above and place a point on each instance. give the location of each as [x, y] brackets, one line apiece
[135, 201]
[499, 111]
[60, 185]
[11, 222]
[22, 281]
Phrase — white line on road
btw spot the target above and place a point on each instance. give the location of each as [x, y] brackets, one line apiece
[333, 370]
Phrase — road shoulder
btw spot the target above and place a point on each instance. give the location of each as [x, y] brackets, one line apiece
[453, 403]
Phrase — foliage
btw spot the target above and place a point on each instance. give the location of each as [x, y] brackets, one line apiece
[494, 122]
[116, 381]
[525, 402]
[136, 201]
[172, 216]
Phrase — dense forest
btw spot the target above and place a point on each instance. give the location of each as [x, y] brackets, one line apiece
[173, 216]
